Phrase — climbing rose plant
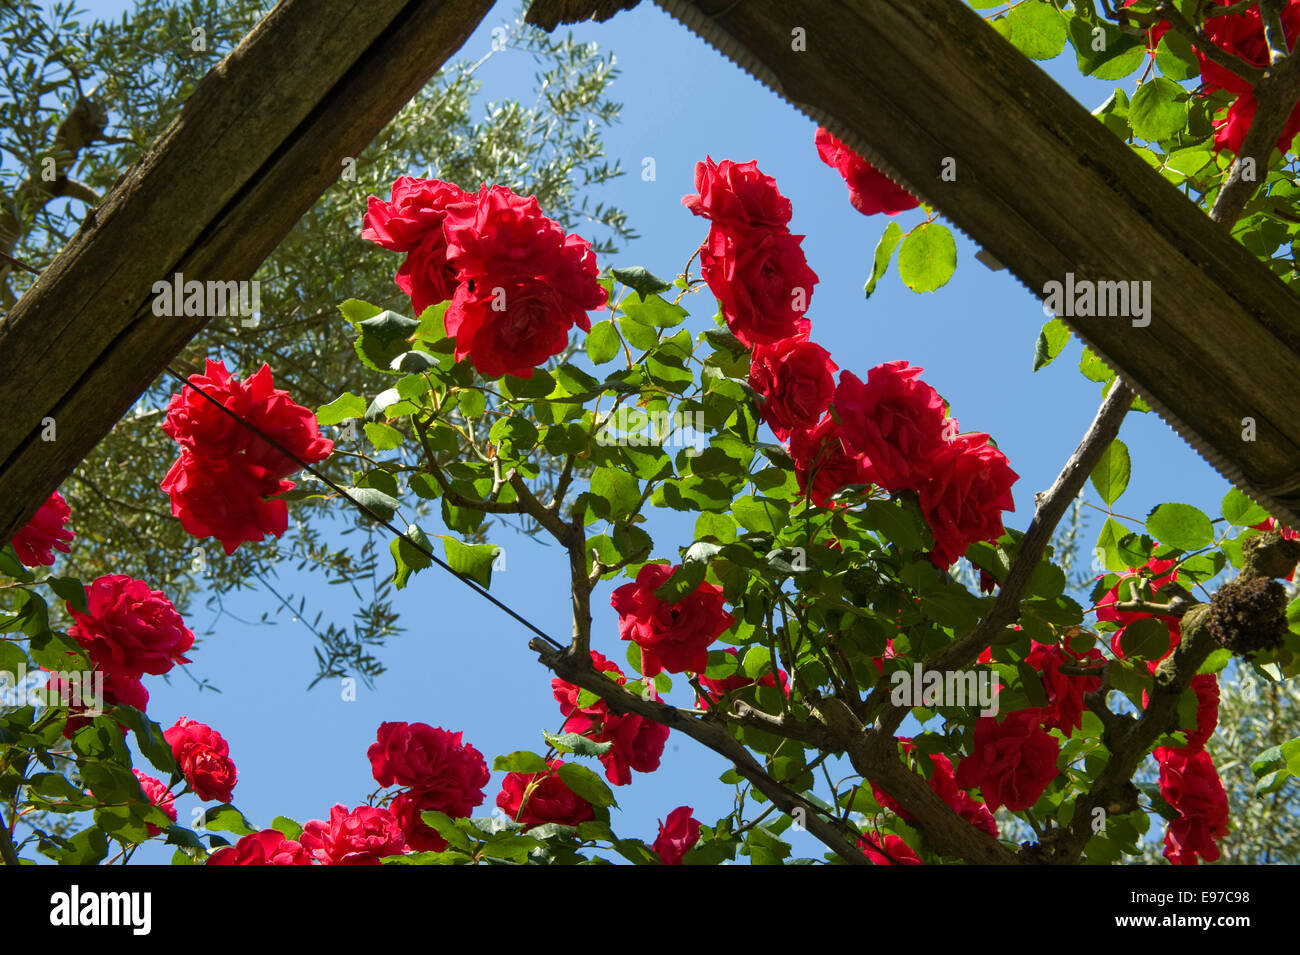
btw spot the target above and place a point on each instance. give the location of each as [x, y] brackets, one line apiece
[827, 566]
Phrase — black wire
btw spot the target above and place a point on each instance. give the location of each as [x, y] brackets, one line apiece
[467, 581]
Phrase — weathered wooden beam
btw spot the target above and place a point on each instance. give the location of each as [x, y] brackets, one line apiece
[259, 140]
[917, 86]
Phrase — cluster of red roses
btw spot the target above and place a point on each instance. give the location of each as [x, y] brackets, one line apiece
[1189, 781]
[440, 772]
[222, 484]
[129, 630]
[892, 430]
[1240, 34]
[516, 282]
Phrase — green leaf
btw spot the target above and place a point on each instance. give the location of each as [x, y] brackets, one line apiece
[889, 240]
[1111, 475]
[284, 824]
[1176, 57]
[1158, 109]
[447, 828]
[521, 761]
[617, 492]
[225, 819]
[640, 281]
[1147, 638]
[345, 406]
[471, 560]
[384, 437]
[355, 310]
[1051, 340]
[407, 557]
[927, 257]
[382, 504]
[1035, 28]
[1181, 526]
[1119, 54]
[413, 362]
[383, 338]
[1241, 511]
[71, 590]
[1093, 368]
[655, 312]
[587, 784]
[602, 342]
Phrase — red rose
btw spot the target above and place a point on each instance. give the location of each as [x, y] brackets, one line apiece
[943, 783]
[893, 851]
[1242, 35]
[638, 743]
[360, 837]
[1230, 131]
[204, 759]
[676, 835]
[1206, 688]
[412, 223]
[268, 847]
[738, 195]
[509, 326]
[672, 637]
[895, 421]
[432, 761]
[969, 488]
[226, 499]
[715, 690]
[796, 379]
[194, 422]
[870, 190]
[406, 808]
[1064, 710]
[761, 279]
[45, 533]
[157, 793]
[1012, 762]
[119, 689]
[129, 630]
[534, 799]
[1155, 577]
[1190, 784]
[821, 464]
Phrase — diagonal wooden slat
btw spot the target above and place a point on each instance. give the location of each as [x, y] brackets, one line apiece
[918, 85]
[258, 141]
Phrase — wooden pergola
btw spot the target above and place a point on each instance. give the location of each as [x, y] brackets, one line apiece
[914, 85]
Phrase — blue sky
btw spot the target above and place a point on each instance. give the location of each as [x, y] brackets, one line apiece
[465, 666]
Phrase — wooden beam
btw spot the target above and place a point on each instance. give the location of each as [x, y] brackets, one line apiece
[918, 85]
[259, 140]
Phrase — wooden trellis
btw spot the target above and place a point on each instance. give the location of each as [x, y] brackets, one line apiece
[911, 84]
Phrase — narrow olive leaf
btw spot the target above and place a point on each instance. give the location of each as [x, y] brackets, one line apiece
[927, 257]
[893, 234]
[1111, 475]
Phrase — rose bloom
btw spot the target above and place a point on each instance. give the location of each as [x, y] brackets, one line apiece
[822, 465]
[870, 190]
[943, 783]
[118, 690]
[672, 637]
[268, 847]
[1242, 35]
[676, 835]
[1012, 762]
[969, 488]
[360, 837]
[549, 800]
[1064, 710]
[638, 743]
[1230, 131]
[894, 421]
[204, 758]
[761, 280]
[129, 630]
[896, 851]
[406, 808]
[412, 223]
[450, 773]
[194, 422]
[796, 379]
[226, 499]
[715, 690]
[45, 533]
[738, 195]
[157, 793]
[1191, 785]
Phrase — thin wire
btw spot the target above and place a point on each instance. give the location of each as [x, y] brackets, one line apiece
[467, 581]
